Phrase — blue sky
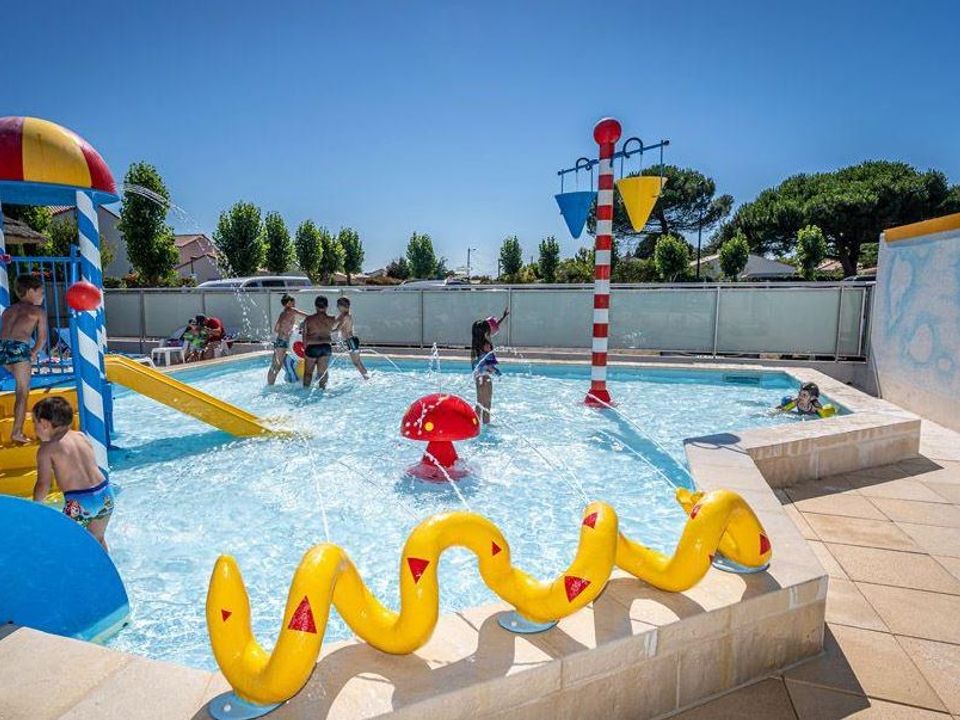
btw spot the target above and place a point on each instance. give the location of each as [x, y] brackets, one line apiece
[452, 117]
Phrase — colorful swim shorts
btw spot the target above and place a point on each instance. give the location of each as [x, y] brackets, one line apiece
[94, 503]
[281, 343]
[353, 344]
[13, 352]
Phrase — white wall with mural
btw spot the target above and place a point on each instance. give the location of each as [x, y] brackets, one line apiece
[915, 339]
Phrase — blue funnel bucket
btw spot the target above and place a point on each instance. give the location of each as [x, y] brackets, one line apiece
[575, 207]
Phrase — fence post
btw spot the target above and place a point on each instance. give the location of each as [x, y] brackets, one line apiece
[143, 321]
[421, 320]
[716, 322]
[203, 302]
[510, 324]
[836, 349]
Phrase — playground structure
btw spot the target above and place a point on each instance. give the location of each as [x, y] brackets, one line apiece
[42, 163]
[720, 523]
[639, 195]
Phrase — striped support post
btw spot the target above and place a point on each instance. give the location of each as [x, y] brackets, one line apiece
[4, 278]
[88, 360]
[606, 133]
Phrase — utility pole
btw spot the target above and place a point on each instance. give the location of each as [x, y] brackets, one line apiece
[469, 250]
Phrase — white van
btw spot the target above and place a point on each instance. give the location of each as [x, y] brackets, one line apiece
[259, 282]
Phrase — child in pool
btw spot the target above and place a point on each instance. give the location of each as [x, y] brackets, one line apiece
[807, 402]
[17, 325]
[283, 328]
[68, 454]
[345, 326]
[317, 345]
[484, 362]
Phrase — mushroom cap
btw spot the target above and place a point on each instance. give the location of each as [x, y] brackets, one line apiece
[440, 417]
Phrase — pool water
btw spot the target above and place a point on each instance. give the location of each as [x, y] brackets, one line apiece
[189, 493]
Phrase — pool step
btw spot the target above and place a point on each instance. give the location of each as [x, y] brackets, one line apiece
[8, 399]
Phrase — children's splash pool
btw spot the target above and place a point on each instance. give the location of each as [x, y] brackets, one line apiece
[189, 493]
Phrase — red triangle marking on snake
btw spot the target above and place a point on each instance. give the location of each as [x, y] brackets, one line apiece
[764, 544]
[696, 509]
[417, 566]
[302, 619]
[574, 586]
[494, 549]
[590, 520]
[225, 614]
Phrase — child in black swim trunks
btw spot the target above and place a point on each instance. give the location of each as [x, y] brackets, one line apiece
[317, 345]
[345, 326]
[17, 325]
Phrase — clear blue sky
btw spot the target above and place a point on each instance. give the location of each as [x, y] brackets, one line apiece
[452, 117]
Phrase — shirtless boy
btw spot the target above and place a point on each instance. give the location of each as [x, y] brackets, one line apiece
[345, 326]
[317, 346]
[68, 454]
[17, 325]
[283, 328]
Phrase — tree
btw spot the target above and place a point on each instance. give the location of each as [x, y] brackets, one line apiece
[349, 240]
[734, 254]
[636, 270]
[529, 273]
[279, 253]
[150, 246]
[511, 257]
[331, 258]
[421, 258]
[239, 239]
[549, 259]
[851, 206]
[672, 258]
[811, 250]
[308, 250]
[399, 268]
[35, 217]
[687, 203]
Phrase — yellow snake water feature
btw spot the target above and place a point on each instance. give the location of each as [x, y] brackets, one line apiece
[717, 521]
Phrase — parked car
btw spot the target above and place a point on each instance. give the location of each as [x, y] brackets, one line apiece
[259, 282]
[433, 284]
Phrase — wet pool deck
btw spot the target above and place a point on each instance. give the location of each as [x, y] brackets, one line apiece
[888, 537]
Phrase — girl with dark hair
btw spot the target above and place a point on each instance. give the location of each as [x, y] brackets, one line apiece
[484, 362]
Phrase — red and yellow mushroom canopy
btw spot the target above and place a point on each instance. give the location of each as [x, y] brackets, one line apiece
[440, 417]
[42, 163]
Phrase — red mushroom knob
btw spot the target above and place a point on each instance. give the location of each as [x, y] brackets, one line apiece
[83, 296]
[439, 420]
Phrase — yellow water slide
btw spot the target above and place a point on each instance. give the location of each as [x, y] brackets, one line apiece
[18, 463]
[180, 396]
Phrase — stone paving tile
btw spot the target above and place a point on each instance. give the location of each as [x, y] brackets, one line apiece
[767, 699]
[927, 470]
[817, 703]
[847, 606]
[933, 539]
[922, 513]
[916, 613]
[858, 531]
[870, 663]
[892, 567]
[847, 504]
[801, 522]
[902, 489]
[829, 562]
[947, 491]
[952, 564]
[940, 665]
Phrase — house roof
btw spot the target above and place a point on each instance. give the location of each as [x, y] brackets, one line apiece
[60, 209]
[213, 259]
[184, 240]
[757, 265]
[16, 232]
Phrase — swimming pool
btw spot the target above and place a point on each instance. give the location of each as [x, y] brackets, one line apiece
[190, 493]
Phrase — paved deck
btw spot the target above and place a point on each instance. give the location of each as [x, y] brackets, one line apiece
[889, 538]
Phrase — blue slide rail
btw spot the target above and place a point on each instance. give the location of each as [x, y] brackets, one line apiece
[54, 576]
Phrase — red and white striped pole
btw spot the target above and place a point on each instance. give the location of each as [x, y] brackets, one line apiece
[606, 133]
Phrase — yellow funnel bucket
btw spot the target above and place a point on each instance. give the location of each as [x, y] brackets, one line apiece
[639, 195]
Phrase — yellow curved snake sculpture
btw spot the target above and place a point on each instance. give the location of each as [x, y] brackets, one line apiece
[719, 520]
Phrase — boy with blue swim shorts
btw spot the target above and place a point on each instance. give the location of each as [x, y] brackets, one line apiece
[18, 352]
[68, 454]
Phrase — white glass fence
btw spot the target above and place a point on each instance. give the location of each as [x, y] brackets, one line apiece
[826, 319]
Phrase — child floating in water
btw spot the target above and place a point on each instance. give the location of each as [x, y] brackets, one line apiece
[283, 328]
[68, 454]
[807, 402]
[17, 325]
[484, 362]
[345, 326]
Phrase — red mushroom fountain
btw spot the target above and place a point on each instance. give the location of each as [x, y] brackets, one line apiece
[439, 420]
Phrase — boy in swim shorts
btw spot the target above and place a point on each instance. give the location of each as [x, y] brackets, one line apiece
[317, 345]
[68, 454]
[282, 329]
[345, 326]
[17, 354]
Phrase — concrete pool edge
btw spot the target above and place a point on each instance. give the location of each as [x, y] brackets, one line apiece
[636, 652]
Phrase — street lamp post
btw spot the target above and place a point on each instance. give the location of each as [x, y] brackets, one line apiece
[469, 250]
[699, 232]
